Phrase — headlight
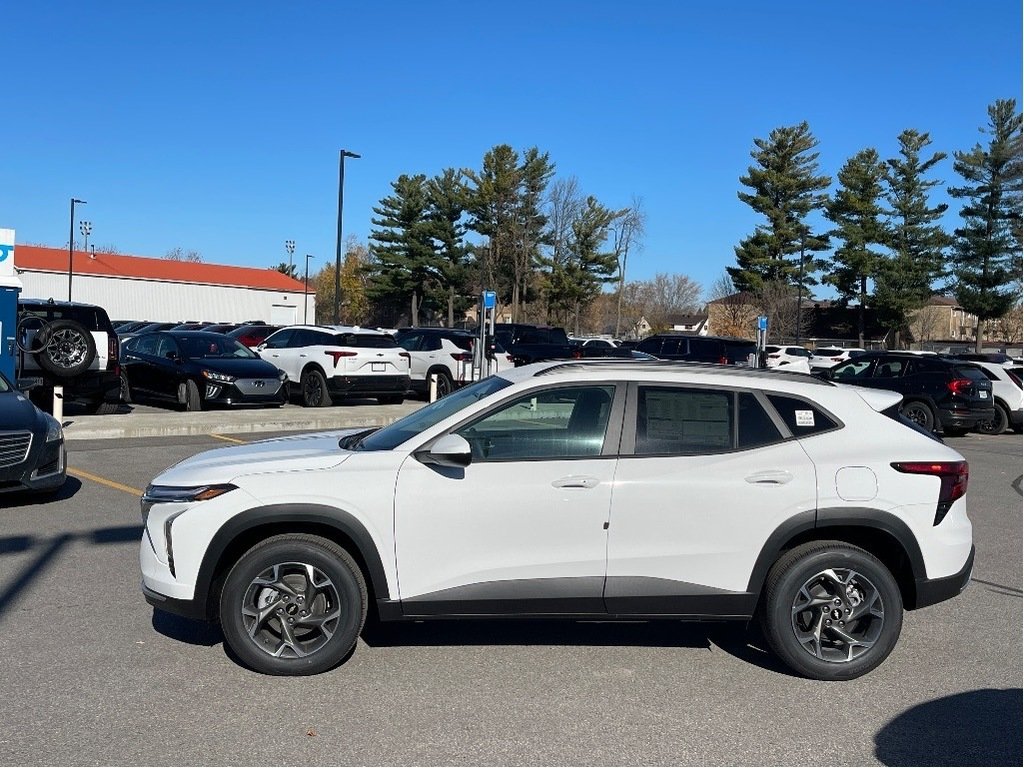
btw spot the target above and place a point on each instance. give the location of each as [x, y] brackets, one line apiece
[165, 494]
[54, 431]
[223, 378]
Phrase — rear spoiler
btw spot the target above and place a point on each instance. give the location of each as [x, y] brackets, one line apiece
[878, 399]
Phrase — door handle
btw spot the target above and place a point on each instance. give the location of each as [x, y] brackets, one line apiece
[769, 477]
[576, 481]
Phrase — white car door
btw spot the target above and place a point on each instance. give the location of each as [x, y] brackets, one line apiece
[277, 349]
[522, 529]
[709, 479]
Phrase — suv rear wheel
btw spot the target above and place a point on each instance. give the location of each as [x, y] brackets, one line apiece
[832, 611]
[314, 389]
[293, 605]
[919, 413]
[997, 424]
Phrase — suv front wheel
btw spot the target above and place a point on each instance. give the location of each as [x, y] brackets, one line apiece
[293, 605]
[832, 611]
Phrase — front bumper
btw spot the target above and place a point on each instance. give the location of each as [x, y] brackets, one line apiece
[45, 469]
[932, 591]
[189, 609]
[216, 393]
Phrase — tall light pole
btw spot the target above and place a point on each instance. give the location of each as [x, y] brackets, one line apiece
[85, 227]
[289, 245]
[337, 256]
[71, 243]
[305, 293]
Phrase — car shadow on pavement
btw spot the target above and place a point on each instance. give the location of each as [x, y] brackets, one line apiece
[981, 727]
[184, 630]
[666, 634]
[28, 499]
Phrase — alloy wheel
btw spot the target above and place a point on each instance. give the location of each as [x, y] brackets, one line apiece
[838, 615]
[291, 610]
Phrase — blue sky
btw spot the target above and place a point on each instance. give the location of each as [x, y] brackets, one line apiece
[216, 126]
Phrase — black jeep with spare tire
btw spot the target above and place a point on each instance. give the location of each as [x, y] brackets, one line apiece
[68, 344]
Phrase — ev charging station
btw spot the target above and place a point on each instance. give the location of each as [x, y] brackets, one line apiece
[483, 358]
[10, 287]
[762, 340]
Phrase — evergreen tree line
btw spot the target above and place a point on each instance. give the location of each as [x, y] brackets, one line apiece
[882, 242]
[542, 245]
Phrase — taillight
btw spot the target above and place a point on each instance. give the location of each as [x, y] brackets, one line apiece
[462, 357]
[336, 355]
[952, 475]
[960, 386]
[113, 350]
[577, 354]
[723, 360]
[408, 359]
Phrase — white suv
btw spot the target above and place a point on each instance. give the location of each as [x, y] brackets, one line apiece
[581, 490]
[329, 361]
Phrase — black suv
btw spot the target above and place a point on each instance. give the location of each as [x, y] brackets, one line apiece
[72, 345]
[699, 349]
[937, 391]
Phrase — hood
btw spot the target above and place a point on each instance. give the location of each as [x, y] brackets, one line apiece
[313, 451]
[242, 368]
[18, 413]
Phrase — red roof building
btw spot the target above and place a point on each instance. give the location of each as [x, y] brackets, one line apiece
[139, 288]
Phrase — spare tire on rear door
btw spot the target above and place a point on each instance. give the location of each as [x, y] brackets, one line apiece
[64, 348]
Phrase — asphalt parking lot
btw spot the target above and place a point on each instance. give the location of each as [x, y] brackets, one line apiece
[92, 675]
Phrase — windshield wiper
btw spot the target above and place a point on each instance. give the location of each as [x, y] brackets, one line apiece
[354, 441]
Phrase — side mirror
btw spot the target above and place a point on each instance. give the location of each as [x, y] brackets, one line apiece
[449, 451]
[261, 347]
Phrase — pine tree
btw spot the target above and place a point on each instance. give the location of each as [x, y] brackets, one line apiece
[491, 205]
[589, 267]
[986, 252]
[917, 241]
[404, 261]
[856, 211]
[785, 188]
[529, 223]
[447, 198]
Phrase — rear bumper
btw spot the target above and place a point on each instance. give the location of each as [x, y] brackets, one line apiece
[1016, 420]
[932, 591]
[964, 418]
[368, 385]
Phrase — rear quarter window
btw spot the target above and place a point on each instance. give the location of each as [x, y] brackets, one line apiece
[802, 418]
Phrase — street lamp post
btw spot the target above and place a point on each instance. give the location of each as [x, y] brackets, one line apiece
[337, 256]
[305, 293]
[71, 243]
[289, 245]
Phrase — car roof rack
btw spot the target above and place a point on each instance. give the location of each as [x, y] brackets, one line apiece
[612, 363]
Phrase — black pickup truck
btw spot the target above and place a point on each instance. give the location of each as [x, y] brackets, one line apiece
[534, 343]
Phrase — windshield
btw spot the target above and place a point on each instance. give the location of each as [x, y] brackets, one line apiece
[394, 435]
[196, 347]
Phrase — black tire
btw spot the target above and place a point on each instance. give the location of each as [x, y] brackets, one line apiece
[998, 424]
[126, 388]
[64, 348]
[819, 643]
[920, 413]
[390, 399]
[338, 600]
[445, 385]
[189, 395]
[314, 389]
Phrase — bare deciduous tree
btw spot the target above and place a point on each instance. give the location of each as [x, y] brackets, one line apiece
[627, 232]
[180, 254]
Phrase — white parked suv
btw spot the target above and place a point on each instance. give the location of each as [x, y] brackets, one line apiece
[331, 361]
[827, 357]
[1007, 396]
[793, 358]
[605, 489]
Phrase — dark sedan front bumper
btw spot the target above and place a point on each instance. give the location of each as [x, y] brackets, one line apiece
[246, 392]
[44, 469]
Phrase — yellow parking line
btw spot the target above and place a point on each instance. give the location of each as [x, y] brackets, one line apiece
[225, 437]
[81, 473]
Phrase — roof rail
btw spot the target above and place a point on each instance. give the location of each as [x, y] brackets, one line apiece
[612, 363]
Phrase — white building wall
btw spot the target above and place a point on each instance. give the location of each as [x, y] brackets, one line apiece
[141, 299]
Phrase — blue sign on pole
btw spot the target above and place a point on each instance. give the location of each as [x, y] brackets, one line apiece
[490, 300]
[762, 323]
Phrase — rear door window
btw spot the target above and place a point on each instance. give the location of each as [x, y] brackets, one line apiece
[675, 421]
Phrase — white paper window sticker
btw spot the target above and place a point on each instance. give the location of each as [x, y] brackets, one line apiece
[805, 418]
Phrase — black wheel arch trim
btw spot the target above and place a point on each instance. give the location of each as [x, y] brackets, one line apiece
[836, 517]
[320, 515]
